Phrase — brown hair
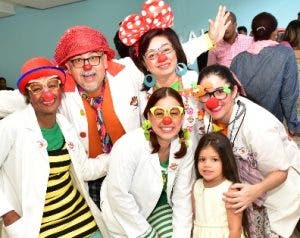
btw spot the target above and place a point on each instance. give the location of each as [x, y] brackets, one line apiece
[154, 98]
[292, 34]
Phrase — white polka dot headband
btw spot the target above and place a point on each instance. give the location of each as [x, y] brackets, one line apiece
[155, 14]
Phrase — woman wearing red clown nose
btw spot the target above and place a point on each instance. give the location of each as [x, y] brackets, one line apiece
[268, 161]
[43, 166]
[147, 192]
[158, 53]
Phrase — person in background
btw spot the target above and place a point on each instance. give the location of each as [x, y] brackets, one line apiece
[159, 54]
[268, 71]
[43, 164]
[202, 60]
[292, 34]
[268, 161]
[232, 44]
[122, 49]
[148, 193]
[242, 30]
[3, 85]
[216, 170]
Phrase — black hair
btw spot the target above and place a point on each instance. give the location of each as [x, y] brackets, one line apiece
[154, 98]
[221, 71]
[138, 50]
[263, 25]
[123, 50]
[242, 28]
[221, 144]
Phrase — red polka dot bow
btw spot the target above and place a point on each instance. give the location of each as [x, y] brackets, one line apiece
[155, 14]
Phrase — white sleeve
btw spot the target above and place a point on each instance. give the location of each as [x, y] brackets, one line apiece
[195, 47]
[124, 207]
[7, 140]
[11, 101]
[181, 198]
[263, 142]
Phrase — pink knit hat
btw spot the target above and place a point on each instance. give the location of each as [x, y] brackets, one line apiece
[79, 40]
[38, 67]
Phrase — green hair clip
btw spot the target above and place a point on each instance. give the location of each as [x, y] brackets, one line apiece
[226, 89]
[146, 125]
[186, 136]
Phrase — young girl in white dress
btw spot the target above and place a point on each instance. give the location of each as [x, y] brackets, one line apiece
[216, 170]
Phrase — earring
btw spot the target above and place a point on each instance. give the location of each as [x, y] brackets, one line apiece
[181, 69]
[149, 80]
[146, 125]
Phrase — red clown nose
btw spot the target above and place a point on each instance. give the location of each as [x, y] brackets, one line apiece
[161, 57]
[48, 96]
[87, 66]
[212, 103]
[167, 120]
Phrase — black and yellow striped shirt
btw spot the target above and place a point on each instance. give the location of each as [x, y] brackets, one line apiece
[66, 213]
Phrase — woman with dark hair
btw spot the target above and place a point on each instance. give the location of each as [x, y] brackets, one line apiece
[268, 161]
[43, 166]
[157, 52]
[147, 191]
[268, 72]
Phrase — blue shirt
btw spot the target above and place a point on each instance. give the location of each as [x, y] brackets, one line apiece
[270, 78]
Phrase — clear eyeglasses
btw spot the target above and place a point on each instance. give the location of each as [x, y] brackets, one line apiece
[38, 87]
[164, 49]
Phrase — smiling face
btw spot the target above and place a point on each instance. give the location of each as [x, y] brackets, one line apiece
[89, 76]
[166, 127]
[210, 166]
[45, 101]
[164, 63]
[222, 112]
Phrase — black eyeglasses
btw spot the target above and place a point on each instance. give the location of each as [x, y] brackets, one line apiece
[218, 94]
[93, 60]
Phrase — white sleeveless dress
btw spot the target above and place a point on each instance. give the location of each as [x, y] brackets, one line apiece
[210, 212]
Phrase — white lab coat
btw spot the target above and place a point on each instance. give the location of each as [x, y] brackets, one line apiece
[24, 171]
[134, 184]
[124, 87]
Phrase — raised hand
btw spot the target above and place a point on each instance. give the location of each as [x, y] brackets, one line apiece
[218, 27]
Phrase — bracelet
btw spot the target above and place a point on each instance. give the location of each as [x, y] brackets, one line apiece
[209, 42]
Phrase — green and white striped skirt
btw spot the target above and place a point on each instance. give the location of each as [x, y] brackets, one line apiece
[161, 221]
